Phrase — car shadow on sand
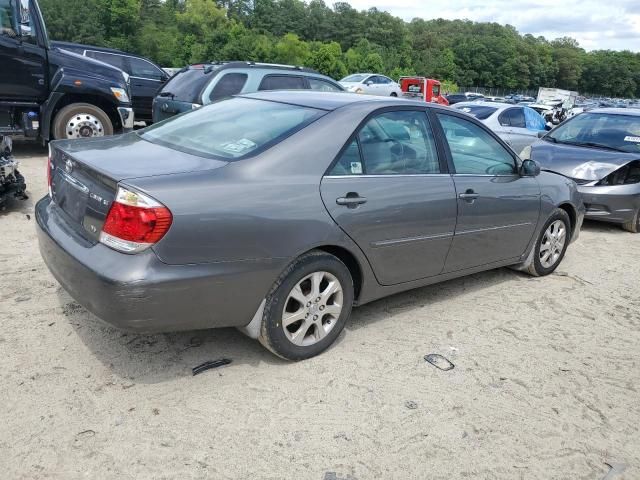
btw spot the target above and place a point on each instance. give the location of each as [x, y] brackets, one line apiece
[156, 358]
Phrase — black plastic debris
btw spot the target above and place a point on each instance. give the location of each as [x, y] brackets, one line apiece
[209, 365]
[439, 361]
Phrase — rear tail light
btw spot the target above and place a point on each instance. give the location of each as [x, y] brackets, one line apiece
[134, 222]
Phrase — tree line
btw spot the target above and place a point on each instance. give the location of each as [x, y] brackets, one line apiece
[338, 39]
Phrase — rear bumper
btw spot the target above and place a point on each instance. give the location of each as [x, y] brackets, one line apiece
[617, 204]
[140, 293]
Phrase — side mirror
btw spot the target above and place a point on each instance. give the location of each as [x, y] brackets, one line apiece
[530, 168]
[368, 83]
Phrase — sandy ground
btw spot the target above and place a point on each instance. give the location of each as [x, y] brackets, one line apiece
[545, 383]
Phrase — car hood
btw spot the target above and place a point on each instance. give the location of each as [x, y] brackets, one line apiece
[129, 156]
[582, 163]
[68, 60]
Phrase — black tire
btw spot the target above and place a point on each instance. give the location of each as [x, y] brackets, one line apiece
[67, 113]
[634, 225]
[536, 268]
[394, 94]
[272, 333]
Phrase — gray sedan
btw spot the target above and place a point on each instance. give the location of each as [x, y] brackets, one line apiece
[518, 125]
[277, 212]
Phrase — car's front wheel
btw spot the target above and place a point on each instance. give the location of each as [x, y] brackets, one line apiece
[551, 245]
[307, 307]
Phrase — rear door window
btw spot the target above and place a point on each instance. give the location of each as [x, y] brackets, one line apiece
[229, 84]
[282, 82]
[144, 69]
[322, 85]
[115, 60]
[513, 117]
[391, 143]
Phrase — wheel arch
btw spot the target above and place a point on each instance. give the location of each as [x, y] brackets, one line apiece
[350, 261]
[573, 215]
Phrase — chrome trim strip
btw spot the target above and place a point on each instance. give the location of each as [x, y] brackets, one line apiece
[388, 243]
[73, 182]
[390, 176]
[464, 232]
[483, 175]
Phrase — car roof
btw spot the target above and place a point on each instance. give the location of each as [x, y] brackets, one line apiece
[221, 65]
[496, 105]
[329, 100]
[95, 48]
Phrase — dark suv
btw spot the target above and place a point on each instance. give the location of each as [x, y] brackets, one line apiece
[146, 76]
[201, 84]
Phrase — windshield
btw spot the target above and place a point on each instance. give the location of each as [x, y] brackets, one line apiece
[479, 111]
[616, 132]
[354, 78]
[231, 128]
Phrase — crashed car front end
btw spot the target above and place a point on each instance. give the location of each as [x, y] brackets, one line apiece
[615, 197]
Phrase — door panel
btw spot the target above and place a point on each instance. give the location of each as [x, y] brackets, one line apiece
[22, 61]
[386, 191]
[498, 224]
[498, 209]
[404, 228]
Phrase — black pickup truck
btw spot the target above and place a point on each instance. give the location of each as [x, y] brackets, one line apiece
[51, 93]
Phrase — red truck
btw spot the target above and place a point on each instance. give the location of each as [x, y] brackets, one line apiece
[423, 88]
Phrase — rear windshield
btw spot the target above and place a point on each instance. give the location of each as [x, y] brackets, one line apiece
[231, 129]
[481, 112]
[186, 85]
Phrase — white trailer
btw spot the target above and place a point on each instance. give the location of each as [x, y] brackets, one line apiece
[547, 96]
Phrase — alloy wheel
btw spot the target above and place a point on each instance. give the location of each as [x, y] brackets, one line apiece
[312, 308]
[552, 244]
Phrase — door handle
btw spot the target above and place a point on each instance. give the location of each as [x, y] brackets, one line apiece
[351, 200]
[469, 196]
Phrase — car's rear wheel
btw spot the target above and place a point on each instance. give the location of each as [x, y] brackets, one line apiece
[81, 120]
[394, 94]
[551, 244]
[307, 307]
[634, 225]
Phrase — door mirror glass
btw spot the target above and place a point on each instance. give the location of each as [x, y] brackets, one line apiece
[530, 168]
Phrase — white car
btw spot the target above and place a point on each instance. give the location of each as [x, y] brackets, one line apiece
[371, 84]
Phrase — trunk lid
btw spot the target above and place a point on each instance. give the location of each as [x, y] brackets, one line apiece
[85, 174]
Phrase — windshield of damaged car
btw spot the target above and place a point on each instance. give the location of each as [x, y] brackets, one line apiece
[232, 128]
[615, 132]
[479, 111]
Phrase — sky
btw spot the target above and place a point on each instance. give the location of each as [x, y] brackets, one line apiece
[613, 24]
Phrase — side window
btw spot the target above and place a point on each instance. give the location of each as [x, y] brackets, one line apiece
[7, 27]
[282, 82]
[322, 85]
[229, 85]
[473, 150]
[384, 80]
[111, 59]
[513, 117]
[392, 143]
[143, 69]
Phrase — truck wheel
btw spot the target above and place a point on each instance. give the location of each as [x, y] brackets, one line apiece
[81, 120]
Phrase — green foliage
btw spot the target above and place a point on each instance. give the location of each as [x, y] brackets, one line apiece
[338, 40]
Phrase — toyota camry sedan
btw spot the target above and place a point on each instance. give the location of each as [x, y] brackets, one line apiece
[277, 212]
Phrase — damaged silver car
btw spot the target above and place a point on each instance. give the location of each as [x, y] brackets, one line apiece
[600, 151]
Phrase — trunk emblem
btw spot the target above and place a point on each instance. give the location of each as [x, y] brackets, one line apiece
[68, 166]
